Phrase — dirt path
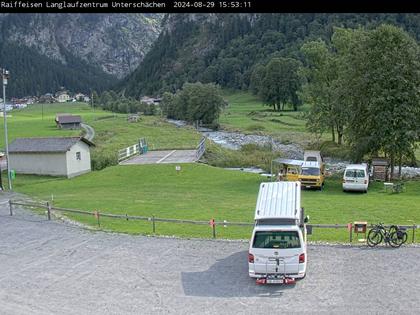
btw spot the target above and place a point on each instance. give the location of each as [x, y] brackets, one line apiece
[90, 132]
[50, 267]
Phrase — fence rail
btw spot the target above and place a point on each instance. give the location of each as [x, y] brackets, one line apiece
[97, 214]
[201, 148]
[128, 152]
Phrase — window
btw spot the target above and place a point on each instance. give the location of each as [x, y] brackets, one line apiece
[276, 239]
[78, 156]
[310, 171]
[355, 173]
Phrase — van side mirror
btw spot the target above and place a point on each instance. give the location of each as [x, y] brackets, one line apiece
[306, 220]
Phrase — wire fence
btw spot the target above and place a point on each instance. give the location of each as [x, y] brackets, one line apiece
[153, 220]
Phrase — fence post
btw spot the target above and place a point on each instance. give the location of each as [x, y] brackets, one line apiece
[414, 229]
[97, 216]
[10, 207]
[351, 232]
[48, 211]
[153, 224]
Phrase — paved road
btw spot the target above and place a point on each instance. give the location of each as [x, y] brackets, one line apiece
[162, 157]
[90, 132]
[55, 268]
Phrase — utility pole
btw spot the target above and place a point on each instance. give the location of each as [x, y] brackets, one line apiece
[5, 77]
[91, 98]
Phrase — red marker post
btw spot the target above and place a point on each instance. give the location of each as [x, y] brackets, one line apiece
[213, 226]
[96, 214]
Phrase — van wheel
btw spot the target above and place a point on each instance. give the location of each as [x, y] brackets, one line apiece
[365, 191]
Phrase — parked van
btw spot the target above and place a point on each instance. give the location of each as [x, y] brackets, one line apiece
[277, 250]
[312, 175]
[356, 178]
[313, 156]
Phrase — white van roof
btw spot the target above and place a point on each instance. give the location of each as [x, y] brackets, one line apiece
[308, 153]
[278, 200]
[311, 164]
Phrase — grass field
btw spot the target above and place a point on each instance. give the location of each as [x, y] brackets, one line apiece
[246, 113]
[38, 120]
[201, 192]
[113, 132]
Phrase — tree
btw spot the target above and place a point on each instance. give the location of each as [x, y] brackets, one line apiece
[382, 89]
[257, 76]
[280, 83]
[195, 102]
[322, 89]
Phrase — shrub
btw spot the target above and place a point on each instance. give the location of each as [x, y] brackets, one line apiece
[101, 160]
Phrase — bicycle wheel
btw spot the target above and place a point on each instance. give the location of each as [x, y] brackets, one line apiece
[396, 240]
[392, 229]
[374, 237]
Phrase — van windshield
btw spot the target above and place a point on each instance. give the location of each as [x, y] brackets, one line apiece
[312, 171]
[355, 173]
[276, 239]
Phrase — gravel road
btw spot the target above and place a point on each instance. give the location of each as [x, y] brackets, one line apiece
[90, 132]
[51, 267]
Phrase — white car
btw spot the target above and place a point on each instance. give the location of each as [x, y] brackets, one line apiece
[356, 178]
[277, 251]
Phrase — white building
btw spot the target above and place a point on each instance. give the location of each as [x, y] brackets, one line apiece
[63, 97]
[65, 156]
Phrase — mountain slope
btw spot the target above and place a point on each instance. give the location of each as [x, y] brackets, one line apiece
[224, 48]
[89, 50]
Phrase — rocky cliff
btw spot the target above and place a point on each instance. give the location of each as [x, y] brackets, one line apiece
[116, 43]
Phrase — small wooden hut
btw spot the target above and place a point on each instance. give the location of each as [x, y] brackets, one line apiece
[380, 169]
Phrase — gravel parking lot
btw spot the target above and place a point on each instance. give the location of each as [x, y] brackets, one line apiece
[51, 267]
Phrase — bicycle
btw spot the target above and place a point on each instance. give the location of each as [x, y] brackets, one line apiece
[394, 236]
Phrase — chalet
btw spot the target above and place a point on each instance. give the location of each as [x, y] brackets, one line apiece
[66, 156]
[63, 97]
[68, 121]
[46, 98]
[150, 100]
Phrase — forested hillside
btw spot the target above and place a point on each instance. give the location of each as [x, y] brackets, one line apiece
[34, 74]
[226, 48]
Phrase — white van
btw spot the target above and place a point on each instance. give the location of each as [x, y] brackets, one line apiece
[356, 178]
[277, 251]
[313, 156]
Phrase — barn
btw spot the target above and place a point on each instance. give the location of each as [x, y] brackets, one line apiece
[68, 121]
[64, 156]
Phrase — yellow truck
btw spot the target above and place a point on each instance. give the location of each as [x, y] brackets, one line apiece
[312, 175]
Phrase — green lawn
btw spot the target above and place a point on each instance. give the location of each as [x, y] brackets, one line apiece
[113, 132]
[202, 192]
[38, 120]
[246, 113]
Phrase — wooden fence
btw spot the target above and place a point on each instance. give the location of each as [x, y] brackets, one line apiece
[211, 222]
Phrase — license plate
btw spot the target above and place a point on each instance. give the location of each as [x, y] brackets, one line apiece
[275, 281]
[308, 186]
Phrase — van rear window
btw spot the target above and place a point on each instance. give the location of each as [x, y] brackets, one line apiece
[276, 239]
[355, 173]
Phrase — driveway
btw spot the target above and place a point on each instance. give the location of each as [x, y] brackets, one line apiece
[51, 267]
[163, 157]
